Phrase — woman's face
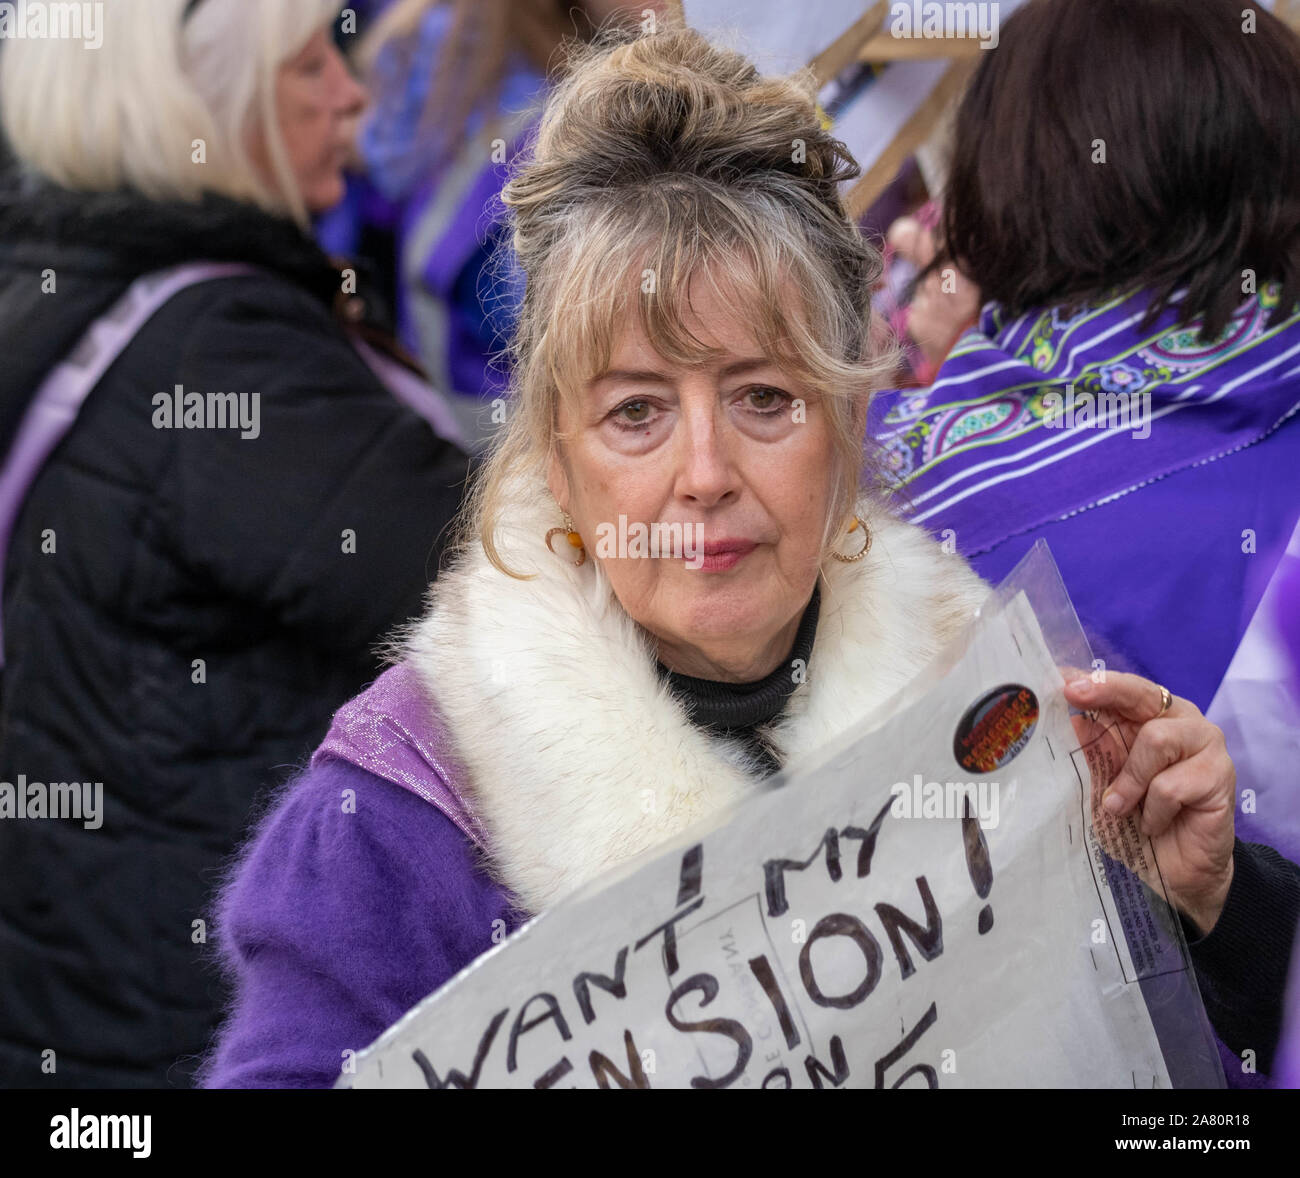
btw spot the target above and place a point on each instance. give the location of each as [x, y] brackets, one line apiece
[318, 103]
[731, 447]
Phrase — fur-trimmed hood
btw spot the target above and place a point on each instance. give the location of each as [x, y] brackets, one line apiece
[576, 757]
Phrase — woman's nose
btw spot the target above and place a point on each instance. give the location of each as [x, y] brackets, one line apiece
[355, 97]
[361, 95]
[351, 97]
[706, 473]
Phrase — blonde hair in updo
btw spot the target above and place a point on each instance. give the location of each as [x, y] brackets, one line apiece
[670, 154]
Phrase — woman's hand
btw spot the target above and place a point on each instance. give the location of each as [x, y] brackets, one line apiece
[945, 303]
[1179, 776]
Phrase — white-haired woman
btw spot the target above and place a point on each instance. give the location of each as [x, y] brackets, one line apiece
[199, 568]
[693, 350]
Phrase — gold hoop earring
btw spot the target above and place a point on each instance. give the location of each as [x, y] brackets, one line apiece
[858, 522]
[571, 534]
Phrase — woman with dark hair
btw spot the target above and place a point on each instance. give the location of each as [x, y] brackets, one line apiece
[1123, 198]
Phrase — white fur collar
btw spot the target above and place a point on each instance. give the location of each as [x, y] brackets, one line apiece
[578, 758]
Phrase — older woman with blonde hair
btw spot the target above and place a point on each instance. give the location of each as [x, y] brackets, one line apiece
[213, 501]
[694, 356]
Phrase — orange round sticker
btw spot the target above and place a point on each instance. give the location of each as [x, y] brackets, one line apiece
[995, 728]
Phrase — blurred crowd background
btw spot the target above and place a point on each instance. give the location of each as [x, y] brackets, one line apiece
[1014, 264]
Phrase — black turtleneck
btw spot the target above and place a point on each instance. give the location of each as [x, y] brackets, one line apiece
[739, 709]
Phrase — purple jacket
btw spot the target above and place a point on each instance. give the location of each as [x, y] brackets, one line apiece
[357, 897]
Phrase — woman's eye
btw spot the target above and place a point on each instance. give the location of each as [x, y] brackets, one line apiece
[767, 400]
[633, 413]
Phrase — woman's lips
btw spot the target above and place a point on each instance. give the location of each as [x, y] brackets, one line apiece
[721, 555]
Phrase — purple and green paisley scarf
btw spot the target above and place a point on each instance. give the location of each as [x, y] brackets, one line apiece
[1037, 417]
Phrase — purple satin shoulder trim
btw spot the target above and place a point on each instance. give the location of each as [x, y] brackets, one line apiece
[412, 391]
[391, 730]
[57, 402]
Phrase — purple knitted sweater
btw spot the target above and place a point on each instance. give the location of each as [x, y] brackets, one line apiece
[336, 923]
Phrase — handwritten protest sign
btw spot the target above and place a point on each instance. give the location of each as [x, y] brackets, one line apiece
[930, 904]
